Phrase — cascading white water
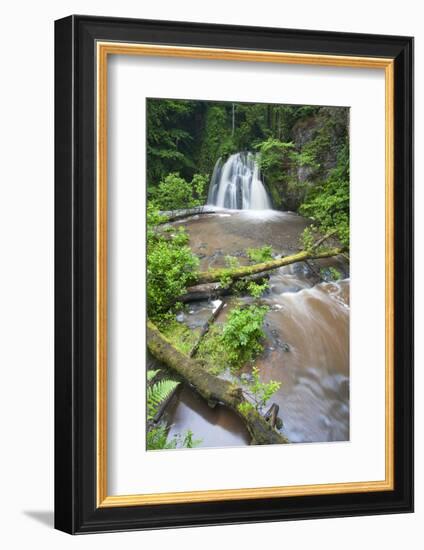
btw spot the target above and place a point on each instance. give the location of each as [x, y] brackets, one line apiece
[237, 184]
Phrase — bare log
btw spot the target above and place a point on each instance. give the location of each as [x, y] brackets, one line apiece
[271, 415]
[174, 215]
[214, 275]
[211, 388]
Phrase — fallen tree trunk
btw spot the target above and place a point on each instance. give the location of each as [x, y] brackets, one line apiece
[214, 275]
[174, 215]
[211, 291]
[211, 388]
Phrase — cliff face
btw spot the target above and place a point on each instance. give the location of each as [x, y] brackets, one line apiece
[317, 141]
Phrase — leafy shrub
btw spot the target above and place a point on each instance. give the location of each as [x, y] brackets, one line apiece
[170, 267]
[256, 289]
[259, 255]
[234, 343]
[261, 392]
[328, 203]
[273, 154]
[308, 238]
[157, 439]
[242, 334]
[174, 192]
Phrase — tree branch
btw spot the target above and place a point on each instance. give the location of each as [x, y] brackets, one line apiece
[323, 239]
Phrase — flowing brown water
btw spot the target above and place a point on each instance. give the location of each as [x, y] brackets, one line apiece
[307, 328]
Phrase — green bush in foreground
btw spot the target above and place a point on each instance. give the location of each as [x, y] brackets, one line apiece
[242, 334]
[236, 342]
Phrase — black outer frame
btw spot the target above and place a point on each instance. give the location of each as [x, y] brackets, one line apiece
[75, 274]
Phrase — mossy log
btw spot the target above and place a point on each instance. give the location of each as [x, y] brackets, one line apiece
[215, 275]
[211, 388]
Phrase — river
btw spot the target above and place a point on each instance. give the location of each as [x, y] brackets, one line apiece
[307, 328]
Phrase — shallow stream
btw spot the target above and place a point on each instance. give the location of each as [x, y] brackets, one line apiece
[307, 327]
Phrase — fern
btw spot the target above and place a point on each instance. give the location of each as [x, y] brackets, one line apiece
[151, 374]
[157, 393]
[157, 438]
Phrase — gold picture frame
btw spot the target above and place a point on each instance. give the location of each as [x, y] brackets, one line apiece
[103, 49]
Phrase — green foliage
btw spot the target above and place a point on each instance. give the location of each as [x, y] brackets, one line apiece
[273, 153]
[170, 266]
[257, 289]
[151, 374]
[177, 333]
[245, 408]
[217, 139]
[231, 262]
[153, 216]
[157, 439]
[328, 203]
[174, 192]
[297, 147]
[189, 442]
[330, 274]
[225, 279]
[236, 342]
[169, 137]
[157, 436]
[259, 255]
[242, 334]
[199, 183]
[261, 392]
[254, 288]
[212, 352]
[308, 238]
[157, 393]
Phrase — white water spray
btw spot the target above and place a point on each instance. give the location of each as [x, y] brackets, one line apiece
[237, 184]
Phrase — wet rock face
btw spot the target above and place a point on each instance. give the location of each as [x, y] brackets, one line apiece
[320, 137]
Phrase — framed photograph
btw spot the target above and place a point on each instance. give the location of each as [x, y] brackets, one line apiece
[234, 274]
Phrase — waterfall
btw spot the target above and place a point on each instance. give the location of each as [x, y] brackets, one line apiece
[237, 184]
